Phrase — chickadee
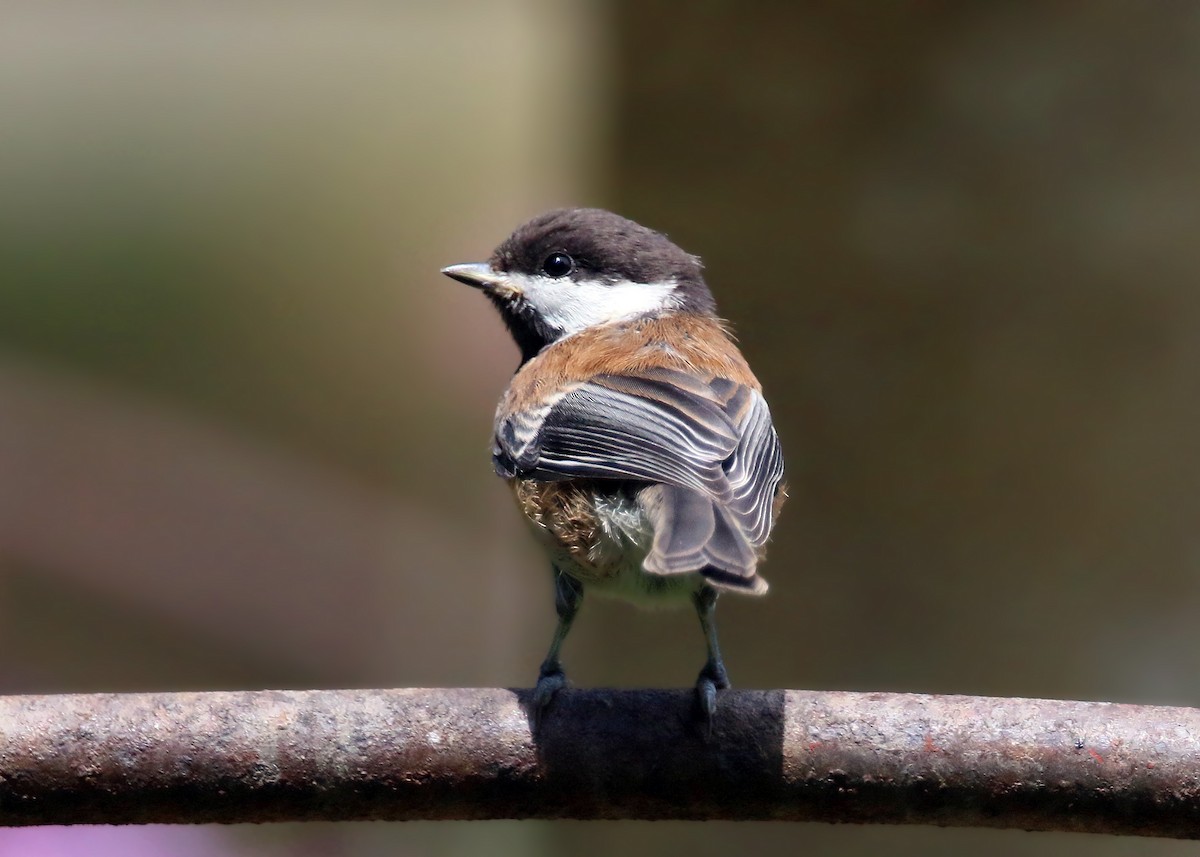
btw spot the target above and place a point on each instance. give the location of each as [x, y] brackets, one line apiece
[634, 436]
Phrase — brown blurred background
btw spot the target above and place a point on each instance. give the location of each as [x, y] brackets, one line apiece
[244, 422]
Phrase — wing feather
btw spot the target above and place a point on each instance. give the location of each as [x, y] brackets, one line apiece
[708, 444]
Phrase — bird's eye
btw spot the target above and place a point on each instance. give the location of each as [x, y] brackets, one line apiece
[558, 265]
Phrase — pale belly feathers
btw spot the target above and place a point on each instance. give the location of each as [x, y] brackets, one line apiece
[600, 535]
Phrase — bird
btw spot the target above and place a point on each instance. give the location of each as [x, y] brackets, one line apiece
[634, 436]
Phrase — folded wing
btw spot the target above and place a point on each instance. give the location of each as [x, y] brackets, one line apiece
[708, 446]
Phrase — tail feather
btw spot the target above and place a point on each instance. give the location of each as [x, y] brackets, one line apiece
[693, 533]
[686, 524]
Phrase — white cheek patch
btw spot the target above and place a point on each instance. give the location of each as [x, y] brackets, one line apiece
[573, 306]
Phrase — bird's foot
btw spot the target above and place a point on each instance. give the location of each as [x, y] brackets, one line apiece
[712, 678]
[550, 681]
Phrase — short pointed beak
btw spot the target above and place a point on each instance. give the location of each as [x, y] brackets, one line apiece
[476, 274]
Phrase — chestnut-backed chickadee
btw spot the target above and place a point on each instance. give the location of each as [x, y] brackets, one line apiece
[635, 438]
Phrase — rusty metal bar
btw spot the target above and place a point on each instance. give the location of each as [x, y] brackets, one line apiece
[469, 754]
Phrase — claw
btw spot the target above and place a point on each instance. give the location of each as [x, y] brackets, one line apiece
[712, 678]
[548, 684]
[706, 699]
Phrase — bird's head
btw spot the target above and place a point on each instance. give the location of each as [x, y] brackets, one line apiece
[575, 268]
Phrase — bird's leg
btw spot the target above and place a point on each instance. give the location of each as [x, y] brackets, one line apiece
[713, 677]
[568, 593]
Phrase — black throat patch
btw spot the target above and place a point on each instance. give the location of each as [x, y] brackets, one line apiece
[527, 327]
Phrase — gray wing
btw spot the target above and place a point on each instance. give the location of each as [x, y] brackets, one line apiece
[708, 446]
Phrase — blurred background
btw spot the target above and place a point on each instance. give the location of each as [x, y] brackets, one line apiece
[244, 423]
